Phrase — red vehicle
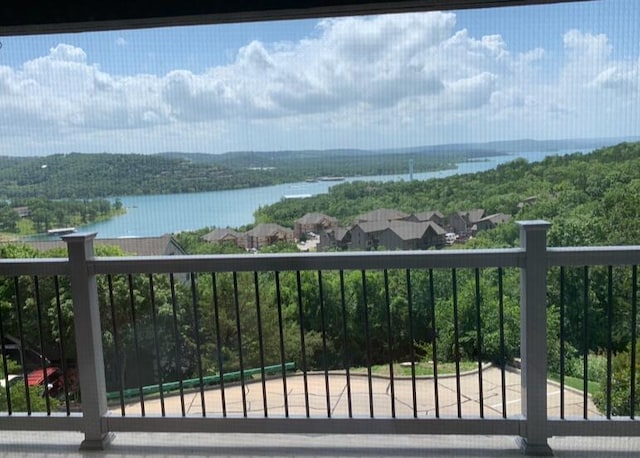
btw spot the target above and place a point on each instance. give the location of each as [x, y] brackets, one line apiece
[51, 378]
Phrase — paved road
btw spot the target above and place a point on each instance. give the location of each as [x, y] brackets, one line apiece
[335, 400]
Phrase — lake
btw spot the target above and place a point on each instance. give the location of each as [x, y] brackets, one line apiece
[155, 215]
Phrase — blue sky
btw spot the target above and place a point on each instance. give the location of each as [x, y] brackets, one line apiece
[547, 71]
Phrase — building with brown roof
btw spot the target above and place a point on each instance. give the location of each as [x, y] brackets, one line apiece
[397, 235]
[267, 234]
[313, 222]
[462, 222]
[336, 238]
[224, 235]
[491, 221]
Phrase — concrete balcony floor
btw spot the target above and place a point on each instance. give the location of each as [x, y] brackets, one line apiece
[170, 445]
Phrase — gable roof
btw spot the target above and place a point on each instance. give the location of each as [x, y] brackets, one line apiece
[219, 235]
[269, 230]
[475, 215]
[427, 215]
[135, 246]
[339, 233]
[471, 216]
[497, 218]
[369, 227]
[407, 230]
[381, 214]
[315, 218]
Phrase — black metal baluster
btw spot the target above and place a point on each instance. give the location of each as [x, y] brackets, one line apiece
[634, 336]
[387, 301]
[366, 336]
[263, 375]
[236, 303]
[178, 342]
[27, 394]
[5, 367]
[116, 344]
[302, 345]
[345, 352]
[156, 344]
[562, 338]
[434, 341]
[323, 325]
[503, 357]
[134, 328]
[216, 311]
[479, 341]
[43, 361]
[411, 339]
[609, 335]
[585, 343]
[456, 343]
[196, 330]
[282, 353]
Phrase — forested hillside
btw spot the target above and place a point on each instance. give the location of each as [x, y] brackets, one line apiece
[102, 175]
[86, 176]
[590, 198]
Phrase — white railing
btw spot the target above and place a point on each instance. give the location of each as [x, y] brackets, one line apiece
[533, 258]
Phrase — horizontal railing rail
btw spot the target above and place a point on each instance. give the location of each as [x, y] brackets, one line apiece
[40, 266]
[309, 261]
[593, 256]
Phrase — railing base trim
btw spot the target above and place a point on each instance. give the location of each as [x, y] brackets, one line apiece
[97, 444]
[533, 449]
[615, 427]
[41, 422]
[510, 427]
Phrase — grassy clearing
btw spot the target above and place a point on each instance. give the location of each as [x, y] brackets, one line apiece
[422, 368]
[577, 383]
[26, 227]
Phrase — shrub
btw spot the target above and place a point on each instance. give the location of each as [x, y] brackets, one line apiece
[620, 386]
[37, 401]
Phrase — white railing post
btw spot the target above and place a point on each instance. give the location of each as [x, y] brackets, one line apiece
[533, 338]
[86, 313]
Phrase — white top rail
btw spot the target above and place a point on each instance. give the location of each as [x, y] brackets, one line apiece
[594, 256]
[38, 266]
[569, 256]
[311, 261]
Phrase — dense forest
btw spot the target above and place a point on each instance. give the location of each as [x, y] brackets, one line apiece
[159, 328]
[88, 176]
[106, 175]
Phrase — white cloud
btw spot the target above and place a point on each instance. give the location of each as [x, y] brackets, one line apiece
[121, 41]
[360, 82]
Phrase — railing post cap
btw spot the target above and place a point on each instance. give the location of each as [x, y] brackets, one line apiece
[79, 237]
[534, 225]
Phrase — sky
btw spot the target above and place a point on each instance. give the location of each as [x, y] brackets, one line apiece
[540, 72]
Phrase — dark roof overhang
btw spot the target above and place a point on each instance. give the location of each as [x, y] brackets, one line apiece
[46, 16]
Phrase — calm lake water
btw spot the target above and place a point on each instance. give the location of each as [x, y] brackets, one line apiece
[155, 215]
